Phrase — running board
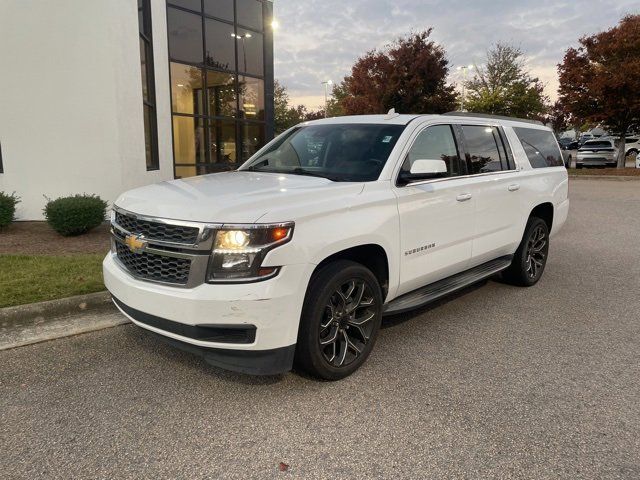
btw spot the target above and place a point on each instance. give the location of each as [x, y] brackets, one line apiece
[443, 287]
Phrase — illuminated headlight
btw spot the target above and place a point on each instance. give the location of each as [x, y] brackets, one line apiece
[238, 252]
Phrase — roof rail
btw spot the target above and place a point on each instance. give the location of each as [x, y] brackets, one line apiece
[496, 117]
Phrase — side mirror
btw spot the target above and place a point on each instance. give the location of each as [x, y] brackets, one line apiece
[423, 170]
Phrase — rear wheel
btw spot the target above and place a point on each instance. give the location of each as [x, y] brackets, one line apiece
[340, 320]
[531, 257]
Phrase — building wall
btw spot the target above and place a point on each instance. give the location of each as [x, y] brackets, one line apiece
[71, 99]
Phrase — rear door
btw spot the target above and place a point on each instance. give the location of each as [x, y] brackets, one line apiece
[436, 215]
[496, 189]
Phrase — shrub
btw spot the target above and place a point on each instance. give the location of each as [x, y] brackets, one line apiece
[7, 208]
[75, 215]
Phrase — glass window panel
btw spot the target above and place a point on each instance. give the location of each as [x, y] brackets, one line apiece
[190, 4]
[188, 140]
[541, 147]
[252, 137]
[482, 150]
[219, 8]
[143, 68]
[249, 13]
[250, 54]
[251, 91]
[219, 43]
[185, 171]
[185, 36]
[222, 141]
[149, 136]
[186, 89]
[221, 92]
[434, 143]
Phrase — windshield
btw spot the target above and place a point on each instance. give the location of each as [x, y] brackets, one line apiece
[340, 152]
[597, 143]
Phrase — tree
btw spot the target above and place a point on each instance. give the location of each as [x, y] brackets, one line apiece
[287, 115]
[409, 75]
[505, 87]
[557, 118]
[600, 80]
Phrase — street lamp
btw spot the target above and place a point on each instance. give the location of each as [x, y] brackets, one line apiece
[326, 84]
[243, 37]
[464, 69]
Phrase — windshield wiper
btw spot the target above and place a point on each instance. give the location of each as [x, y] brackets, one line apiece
[311, 173]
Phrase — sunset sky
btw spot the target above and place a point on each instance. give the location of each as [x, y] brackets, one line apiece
[319, 40]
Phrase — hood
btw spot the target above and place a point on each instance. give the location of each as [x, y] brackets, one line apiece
[233, 197]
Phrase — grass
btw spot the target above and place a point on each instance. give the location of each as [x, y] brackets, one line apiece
[621, 172]
[36, 278]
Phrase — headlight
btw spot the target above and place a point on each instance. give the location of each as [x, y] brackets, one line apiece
[238, 252]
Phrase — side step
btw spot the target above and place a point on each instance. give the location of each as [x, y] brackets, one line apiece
[443, 287]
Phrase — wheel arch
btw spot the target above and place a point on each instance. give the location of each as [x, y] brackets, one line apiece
[371, 255]
[545, 212]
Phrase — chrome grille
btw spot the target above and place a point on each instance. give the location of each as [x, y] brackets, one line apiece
[157, 231]
[154, 267]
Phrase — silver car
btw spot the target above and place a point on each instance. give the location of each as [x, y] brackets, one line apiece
[600, 152]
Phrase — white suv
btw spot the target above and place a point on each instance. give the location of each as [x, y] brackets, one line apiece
[294, 258]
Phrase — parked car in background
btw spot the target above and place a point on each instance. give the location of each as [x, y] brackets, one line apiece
[585, 137]
[632, 146]
[597, 153]
[568, 146]
[294, 258]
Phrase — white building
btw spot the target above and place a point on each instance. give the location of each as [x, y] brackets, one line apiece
[74, 72]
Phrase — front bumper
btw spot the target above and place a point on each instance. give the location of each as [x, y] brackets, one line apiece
[269, 310]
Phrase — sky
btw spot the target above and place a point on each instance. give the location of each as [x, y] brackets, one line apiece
[319, 40]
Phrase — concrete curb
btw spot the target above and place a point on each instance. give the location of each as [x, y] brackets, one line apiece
[604, 177]
[38, 313]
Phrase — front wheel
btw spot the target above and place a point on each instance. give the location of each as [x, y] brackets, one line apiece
[340, 320]
[531, 257]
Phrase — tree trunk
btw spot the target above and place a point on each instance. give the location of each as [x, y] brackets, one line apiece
[622, 147]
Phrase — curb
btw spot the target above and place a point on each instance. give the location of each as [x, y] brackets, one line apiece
[38, 313]
[605, 177]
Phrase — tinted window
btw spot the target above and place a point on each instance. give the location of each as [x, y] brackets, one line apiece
[540, 146]
[250, 52]
[249, 13]
[434, 143]
[597, 144]
[219, 8]
[482, 153]
[185, 36]
[340, 152]
[219, 40]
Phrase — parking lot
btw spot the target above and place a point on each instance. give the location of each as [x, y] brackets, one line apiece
[497, 382]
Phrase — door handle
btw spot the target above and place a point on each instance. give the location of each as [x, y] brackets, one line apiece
[513, 187]
[463, 197]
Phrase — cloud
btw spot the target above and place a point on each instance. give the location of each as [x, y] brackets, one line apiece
[321, 39]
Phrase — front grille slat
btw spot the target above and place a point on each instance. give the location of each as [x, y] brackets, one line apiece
[150, 266]
[158, 231]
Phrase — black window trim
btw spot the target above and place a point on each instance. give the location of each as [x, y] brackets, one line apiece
[147, 37]
[268, 132]
[462, 149]
[1, 167]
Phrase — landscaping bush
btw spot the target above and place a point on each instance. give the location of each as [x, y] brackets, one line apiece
[7, 208]
[75, 215]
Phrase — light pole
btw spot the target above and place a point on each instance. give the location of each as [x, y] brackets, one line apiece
[464, 69]
[244, 51]
[326, 84]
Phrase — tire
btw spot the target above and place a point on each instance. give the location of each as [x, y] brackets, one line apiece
[335, 336]
[530, 259]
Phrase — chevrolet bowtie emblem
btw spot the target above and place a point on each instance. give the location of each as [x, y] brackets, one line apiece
[135, 243]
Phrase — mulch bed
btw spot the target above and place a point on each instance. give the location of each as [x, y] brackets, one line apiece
[38, 238]
[616, 172]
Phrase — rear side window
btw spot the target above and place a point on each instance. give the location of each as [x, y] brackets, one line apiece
[484, 150]
[597, 144]
[540, 146]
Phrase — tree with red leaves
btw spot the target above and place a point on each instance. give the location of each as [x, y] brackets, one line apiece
[409, 75]
[600, 80]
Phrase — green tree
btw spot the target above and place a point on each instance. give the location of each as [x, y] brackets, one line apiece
[504, 87]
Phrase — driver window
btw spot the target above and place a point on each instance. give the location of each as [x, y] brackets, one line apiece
[434, 143]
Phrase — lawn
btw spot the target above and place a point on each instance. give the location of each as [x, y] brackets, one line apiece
[36, 278]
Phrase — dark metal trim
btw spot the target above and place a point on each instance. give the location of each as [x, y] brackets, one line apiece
[147, 37]
[1, 167]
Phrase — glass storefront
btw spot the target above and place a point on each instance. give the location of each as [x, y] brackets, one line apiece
[217, 68]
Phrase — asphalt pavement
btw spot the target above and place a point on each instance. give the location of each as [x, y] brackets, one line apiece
[496, 382]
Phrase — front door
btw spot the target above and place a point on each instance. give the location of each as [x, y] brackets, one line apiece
[436, 216]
